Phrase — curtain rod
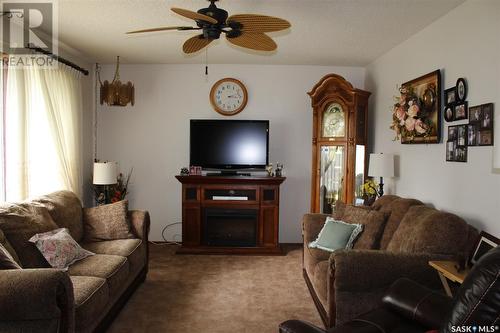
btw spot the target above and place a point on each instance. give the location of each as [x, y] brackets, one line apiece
[58, 58]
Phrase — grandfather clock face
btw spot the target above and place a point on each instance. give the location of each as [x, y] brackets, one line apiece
[333, 121]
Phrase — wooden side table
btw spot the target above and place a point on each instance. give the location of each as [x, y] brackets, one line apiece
[447, 271]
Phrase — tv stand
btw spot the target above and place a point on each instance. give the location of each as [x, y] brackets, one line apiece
[230, 215]
[229, 174]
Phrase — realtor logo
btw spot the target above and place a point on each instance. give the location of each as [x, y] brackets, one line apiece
[25, 26]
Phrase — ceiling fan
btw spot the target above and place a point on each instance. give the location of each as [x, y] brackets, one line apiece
[245, 30]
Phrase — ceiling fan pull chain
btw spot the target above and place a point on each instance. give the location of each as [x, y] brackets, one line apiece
[206, 62]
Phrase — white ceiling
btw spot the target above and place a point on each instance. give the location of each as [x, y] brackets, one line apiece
[323, 32]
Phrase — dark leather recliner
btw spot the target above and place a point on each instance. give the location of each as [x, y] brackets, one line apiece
[409, 307]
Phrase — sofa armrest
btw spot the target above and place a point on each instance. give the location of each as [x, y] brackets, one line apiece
[140, 223]
[311, 226]
[418, 303]
[37, 295]
[368, 270]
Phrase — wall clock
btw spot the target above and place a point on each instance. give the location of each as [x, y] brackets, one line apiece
[228, 96]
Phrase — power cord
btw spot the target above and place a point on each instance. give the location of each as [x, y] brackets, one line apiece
[165, 241]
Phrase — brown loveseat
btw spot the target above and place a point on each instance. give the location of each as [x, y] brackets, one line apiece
[403, 236]
[87, 296]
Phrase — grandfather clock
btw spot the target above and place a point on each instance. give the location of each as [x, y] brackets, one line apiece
[340, 114]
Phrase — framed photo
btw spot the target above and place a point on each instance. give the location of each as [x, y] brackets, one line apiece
[485, 243]
[461, 90]
[472, 134]
[487, 116]
[462, 135]
[449, 96]
[475, 114]
[450, 151]
[456, 146]
[452, 133]
[448, 113]
[460, 111]
[485, 138]
[427, 91]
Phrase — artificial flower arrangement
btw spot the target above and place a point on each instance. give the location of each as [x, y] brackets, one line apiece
[409, 119]
[121, 187]
[369, 191]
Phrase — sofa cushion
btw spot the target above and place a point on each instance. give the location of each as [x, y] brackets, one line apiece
[312, 257]
[59, 248]
[66, 210]
[133, 249]
[396, 209]
[427, 230]
[114, 269]
[91, 297]
[383, 201]
[373, 225]
[5, 243]
[20, 222]
[6, 260]
[107, 222]
[336, 235]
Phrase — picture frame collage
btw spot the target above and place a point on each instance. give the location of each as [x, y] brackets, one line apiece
[479, 131]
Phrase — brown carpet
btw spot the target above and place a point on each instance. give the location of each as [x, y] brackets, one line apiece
[217, 294]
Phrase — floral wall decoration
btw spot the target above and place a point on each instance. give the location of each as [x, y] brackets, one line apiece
[416, 114]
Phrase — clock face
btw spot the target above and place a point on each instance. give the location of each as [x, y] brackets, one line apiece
[334, 121]
[228, 96]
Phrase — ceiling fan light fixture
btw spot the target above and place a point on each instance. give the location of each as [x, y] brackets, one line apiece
[116, 93]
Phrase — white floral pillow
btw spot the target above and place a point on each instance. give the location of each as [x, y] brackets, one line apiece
[59, 248]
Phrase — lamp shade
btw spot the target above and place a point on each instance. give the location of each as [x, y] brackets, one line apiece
[381, 165]
[104, 173]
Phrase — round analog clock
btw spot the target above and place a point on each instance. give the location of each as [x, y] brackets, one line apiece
[228, 96]
[334, 121]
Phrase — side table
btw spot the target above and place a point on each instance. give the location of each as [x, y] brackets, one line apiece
[447, 271]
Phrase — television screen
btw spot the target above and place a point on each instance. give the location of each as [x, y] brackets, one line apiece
[229, 144]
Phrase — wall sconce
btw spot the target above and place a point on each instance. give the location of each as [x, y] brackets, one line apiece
[116, 93]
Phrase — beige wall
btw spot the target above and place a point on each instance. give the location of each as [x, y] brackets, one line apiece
[463, 43]
[153, 136]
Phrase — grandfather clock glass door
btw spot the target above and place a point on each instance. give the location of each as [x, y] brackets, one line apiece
[339, 140]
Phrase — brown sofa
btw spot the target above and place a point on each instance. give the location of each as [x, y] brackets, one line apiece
[87, 296]
[347, 283]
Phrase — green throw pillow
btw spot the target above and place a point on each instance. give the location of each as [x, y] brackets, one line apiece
[336, 235]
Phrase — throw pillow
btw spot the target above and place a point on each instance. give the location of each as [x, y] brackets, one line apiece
[107, 222]
[59, 248]
[336, 235]
[373, 225]
[6, 260]
[19, 222]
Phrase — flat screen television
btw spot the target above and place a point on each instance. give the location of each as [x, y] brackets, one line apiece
[229, 144]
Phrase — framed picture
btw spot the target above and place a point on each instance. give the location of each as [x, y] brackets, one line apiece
[475, 114]
[462, 135]
[460, 111]
[461, 90]
[481, 122]
[485, 243]
[448, 113]
[449, 96]
[426, 91]
[487, 116]
[472, 134]
[456, 146]
[450, 151]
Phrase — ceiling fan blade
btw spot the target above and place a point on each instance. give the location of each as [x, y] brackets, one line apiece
[161, 29]
[194, 15]
[195, 44]
[254, 40]
[259, 23]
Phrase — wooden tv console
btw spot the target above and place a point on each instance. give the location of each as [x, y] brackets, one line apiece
[217, 199]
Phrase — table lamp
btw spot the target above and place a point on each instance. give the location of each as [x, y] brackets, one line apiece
[104, 175]
[381, 165]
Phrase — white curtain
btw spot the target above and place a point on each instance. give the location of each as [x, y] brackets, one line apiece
[42, 132]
